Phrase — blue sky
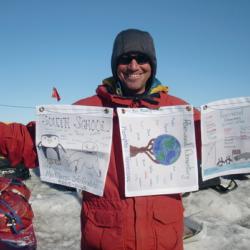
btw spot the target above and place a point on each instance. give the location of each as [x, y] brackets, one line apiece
[203, 48]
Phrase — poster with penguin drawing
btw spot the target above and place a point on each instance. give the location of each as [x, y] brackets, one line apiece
[73, 144]
[159, 151]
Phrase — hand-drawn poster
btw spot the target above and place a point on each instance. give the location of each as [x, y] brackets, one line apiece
[73, 144]
[225, 130]
[159, 152]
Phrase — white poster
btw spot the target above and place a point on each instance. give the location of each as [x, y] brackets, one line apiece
[73, 144]
[225, 130]
[159, 151]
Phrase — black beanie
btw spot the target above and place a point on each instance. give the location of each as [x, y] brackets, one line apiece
[133, 40]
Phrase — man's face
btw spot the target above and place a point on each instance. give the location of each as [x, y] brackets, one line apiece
[133, 71]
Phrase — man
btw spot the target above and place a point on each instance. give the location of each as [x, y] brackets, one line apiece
[115, 221]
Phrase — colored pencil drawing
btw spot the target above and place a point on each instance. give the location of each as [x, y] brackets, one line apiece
[164, 149]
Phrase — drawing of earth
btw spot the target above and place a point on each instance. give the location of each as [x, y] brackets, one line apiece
[167, 149]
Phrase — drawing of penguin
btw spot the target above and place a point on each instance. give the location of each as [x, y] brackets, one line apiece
[50, 143]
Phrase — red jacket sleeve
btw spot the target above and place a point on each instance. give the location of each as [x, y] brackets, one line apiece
[17, 144]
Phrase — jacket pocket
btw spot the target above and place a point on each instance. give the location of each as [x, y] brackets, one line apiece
[103, 230]
[169, 216]
[168, 229]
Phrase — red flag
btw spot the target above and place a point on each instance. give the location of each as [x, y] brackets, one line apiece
[55, 94]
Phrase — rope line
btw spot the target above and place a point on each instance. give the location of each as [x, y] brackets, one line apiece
[211, 107]
[16, 106]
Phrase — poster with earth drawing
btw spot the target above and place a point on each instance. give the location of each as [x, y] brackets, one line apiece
[159, 151]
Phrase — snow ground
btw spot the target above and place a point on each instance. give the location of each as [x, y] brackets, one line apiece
[226, 217]
[57, 215]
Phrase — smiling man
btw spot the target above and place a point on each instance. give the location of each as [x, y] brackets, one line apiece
[114, 221]
[133, 62]
[134, 71]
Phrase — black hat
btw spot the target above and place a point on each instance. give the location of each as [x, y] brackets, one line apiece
[133, 40]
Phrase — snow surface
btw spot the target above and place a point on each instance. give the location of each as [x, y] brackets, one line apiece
[226, 217]
[57, 215]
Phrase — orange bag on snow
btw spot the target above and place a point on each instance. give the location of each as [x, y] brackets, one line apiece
[16, 228]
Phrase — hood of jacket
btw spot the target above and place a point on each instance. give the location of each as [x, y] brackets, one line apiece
[110, 91]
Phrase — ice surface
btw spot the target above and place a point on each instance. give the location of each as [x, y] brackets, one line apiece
[225, 216]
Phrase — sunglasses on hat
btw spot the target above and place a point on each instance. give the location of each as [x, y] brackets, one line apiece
[127, 58]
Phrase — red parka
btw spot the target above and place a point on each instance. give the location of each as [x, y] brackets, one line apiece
[114, 222]
[17, 144]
